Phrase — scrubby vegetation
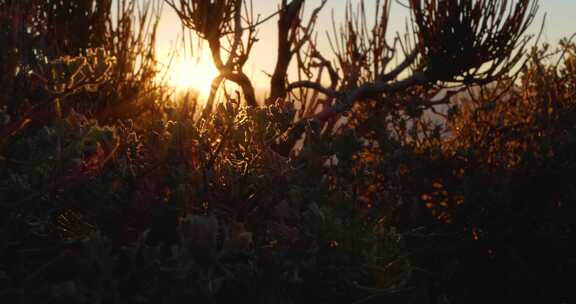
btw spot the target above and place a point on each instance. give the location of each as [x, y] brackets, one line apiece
[445, 179]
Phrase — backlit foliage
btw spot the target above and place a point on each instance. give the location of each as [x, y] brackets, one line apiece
[370, 189]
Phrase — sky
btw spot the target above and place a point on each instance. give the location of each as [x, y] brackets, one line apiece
[560, 22]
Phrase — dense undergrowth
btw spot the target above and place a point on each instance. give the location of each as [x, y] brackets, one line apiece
[112, 190]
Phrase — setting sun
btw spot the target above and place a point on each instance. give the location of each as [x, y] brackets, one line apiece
[287, 151]
[192, 74]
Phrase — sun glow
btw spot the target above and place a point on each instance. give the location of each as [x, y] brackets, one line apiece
[194, 74]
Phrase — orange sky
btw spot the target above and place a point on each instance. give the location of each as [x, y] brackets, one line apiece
[561, 22]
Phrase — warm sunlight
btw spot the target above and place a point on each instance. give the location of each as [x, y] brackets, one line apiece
[351, 151]
[188, 73]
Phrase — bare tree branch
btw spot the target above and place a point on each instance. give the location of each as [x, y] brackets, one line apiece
[213, 21]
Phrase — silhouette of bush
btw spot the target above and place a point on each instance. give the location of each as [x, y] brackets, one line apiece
[112, 190]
